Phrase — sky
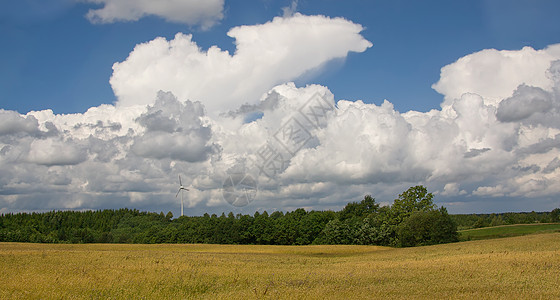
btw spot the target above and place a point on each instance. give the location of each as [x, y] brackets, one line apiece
[276, 105]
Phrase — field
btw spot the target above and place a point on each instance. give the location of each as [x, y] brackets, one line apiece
[510, 268]
[508, 231]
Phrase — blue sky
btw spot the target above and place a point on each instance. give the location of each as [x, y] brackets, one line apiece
[488, 140]
[53, 57]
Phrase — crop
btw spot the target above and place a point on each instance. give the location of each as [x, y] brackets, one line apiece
[508, 268]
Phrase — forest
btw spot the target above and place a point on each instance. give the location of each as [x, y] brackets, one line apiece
[412, 220]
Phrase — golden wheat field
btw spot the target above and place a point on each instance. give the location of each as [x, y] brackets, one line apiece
[510, 268]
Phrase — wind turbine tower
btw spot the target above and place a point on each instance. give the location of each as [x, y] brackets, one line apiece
[181, 189]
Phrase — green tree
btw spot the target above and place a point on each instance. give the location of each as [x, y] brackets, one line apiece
[262, 228]
[359, 210]
[335, 233]
[427, 228]
[496, 220]
[555, 215]
[414, 199]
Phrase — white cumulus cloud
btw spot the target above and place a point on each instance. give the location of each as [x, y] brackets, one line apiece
[55, 152]
[193, 12]
[266, 55]
[495, 74]
[496, 136]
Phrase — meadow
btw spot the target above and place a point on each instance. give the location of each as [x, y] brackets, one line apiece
[509, 268]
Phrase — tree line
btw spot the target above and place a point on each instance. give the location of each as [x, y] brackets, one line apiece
[469, 221]
[413, 219]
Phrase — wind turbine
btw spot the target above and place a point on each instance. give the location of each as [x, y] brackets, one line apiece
[181, 189]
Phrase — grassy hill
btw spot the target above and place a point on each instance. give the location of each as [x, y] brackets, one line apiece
[507, 231]
[510, 268]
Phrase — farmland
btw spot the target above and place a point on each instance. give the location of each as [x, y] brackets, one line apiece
[515, 267]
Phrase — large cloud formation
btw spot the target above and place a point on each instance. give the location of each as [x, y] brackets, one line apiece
[266, 55]
[192, 12]
[496, 136]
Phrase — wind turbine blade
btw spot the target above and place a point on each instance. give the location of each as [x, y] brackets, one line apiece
[178, 193]
[180, 183]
